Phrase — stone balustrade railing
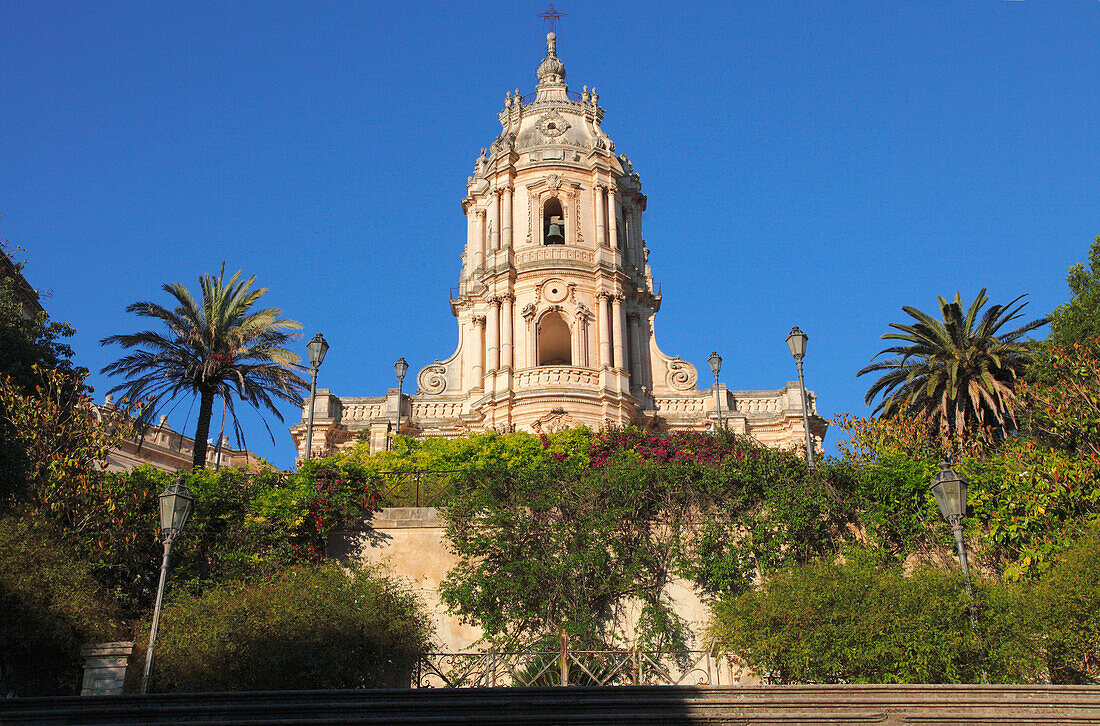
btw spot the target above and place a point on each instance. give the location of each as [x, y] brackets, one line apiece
[557, 252]
[361, 411]
[557, 376]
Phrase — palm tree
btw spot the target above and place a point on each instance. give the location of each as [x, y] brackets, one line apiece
[215, 347]
[954, 372]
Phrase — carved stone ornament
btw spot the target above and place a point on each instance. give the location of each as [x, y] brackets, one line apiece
[553, 181]
[681, 375]
[479, 320]
[556, 420]
[528, 310]
[552, 124]
[432, 378]
[555, 290]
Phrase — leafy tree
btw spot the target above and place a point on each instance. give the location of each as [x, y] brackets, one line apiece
[216, 347]
[306, 628]
[54, 439]
[959, 372]
[1078, 320]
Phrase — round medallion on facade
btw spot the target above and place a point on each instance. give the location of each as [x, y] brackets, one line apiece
[552, 124]
[554, 290]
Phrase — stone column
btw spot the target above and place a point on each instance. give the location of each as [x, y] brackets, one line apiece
[581, 358]
[479, 239]
[635, 350]
[506, 330]
[601, 233]
[529, 341]
[494, 220]
[612, 218]
[494, 336]
[506, 225]
[604, 323]
[618, 323]
[479, 354]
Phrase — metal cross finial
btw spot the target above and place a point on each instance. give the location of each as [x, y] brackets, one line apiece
[551, 16]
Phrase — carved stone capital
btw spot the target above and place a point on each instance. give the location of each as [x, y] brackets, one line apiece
[495, 301]
[508, 297]
[604, 295]
[479, 320]
[600, 187]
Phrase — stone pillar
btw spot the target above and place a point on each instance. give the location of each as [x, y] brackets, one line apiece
[601, 233]
[494, 220]
[506, 330]
[604, 323]
[494, 335]
[479, 239]
[635, 350]
[618, 323]
[581, 357]
[612, 218]
[506, 225]
[479, 354]
[529, 341]
[105, 668]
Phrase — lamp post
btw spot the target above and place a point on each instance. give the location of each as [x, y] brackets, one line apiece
[796, 341]
[175, 506]
[949, 489]
[317, 349]
[715, 362]
[400, 367]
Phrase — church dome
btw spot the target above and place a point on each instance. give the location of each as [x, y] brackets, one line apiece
[551, 70]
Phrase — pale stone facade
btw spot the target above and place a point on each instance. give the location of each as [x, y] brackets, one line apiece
[556, 302]
[169, 450]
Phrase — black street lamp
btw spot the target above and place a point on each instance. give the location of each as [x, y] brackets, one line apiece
[400, 367]
[715, 362]
[317, 349]
[796, 341]
[175, 506]
[949, 489]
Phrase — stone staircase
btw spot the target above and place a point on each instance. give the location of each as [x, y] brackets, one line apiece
[787, 705]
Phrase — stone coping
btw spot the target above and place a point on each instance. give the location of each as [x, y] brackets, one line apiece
[932, 705]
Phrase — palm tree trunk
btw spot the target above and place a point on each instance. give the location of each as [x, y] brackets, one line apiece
[202, 429]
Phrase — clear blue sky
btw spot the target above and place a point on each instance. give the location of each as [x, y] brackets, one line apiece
[818, 163]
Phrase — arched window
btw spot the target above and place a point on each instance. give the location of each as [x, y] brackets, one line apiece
[553, 223]
[554, 345]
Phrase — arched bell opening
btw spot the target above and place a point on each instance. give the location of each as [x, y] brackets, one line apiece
[554, 343]
[553, 223]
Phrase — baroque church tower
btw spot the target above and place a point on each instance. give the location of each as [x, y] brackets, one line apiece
[556, 302]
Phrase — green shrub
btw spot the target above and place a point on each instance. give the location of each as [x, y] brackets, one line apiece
[864, 621]
[305, 628]
[1065, 603]
[51, 605]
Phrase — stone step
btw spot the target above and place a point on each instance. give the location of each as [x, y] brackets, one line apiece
[825, 705]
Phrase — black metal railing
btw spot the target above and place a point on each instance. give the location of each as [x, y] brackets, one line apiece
[423, 488]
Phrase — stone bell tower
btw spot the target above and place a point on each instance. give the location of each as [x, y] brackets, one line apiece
[556, 300]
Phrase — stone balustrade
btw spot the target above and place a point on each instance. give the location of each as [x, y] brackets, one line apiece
[556, 377]
[554, 253]
[361, 411]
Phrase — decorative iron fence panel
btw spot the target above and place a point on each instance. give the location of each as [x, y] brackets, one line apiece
[416, 488]
[486, 669]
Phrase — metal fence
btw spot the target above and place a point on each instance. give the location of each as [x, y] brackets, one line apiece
[566, 667]
[416, 488]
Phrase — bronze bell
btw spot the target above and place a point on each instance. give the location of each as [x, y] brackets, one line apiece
[554, 234]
